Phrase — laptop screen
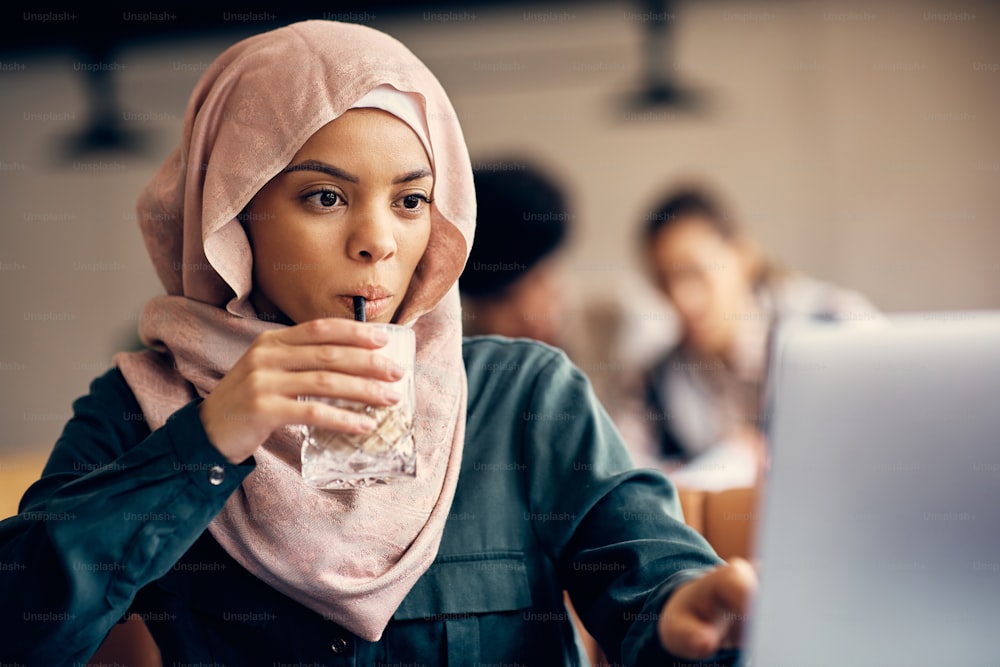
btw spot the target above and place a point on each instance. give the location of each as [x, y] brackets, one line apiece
[880, 534]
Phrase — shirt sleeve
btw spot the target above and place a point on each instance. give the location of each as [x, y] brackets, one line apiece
[615, 532]
[116, 507]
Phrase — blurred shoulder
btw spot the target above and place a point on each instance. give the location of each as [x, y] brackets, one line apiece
[514, 362]
[492, 353]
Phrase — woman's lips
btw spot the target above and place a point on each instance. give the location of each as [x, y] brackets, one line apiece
[373, 307]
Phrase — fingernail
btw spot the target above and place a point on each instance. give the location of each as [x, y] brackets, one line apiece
[396, 371]
[379, 336]
[391, 395]
[366, 424]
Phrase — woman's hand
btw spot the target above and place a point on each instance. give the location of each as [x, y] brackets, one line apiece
[330, 357]
[706, 614]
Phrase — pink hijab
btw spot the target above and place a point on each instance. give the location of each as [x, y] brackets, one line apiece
[351, 555]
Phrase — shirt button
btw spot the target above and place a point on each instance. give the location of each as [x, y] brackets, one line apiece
[216, 474]
[339, 645]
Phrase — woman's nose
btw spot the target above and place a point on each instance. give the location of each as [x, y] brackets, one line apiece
[372, 238]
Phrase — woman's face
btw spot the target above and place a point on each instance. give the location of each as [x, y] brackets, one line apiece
[349, 216]
[705, 277]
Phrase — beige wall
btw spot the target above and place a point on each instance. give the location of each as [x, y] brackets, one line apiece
[859, 142]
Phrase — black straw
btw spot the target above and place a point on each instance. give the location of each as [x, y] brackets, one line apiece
[359, 308]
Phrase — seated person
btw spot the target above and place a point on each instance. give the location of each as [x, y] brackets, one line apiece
[514, 282]
[697, 411]
[517, 282]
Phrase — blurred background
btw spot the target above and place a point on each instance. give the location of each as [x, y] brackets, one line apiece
[856, 141]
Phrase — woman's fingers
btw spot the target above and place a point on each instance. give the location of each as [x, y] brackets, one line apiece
[330, 330]
[323, 415]
[325, 384]
[334, 345]
[708, 613]
[688, 636]
[336, 358]
[735, 584]
[734, 588]
[238, 416]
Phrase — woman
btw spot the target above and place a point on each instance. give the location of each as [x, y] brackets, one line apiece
[701, 403]
[319, 162]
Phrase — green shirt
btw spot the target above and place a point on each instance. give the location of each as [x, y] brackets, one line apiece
[547, 501]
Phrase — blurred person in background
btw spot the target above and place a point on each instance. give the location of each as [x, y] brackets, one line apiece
[514, 283]
[518, 280]
[697, 411]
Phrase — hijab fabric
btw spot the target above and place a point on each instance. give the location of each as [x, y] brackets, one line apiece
[351, 554]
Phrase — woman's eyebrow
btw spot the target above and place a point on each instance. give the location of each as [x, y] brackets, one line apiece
[414, 175]
[328, 169]
[337, 172]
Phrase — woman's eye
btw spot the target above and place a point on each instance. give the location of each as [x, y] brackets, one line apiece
[325, 198]
[414, 202]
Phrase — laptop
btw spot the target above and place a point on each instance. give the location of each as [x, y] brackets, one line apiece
[879, 536]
